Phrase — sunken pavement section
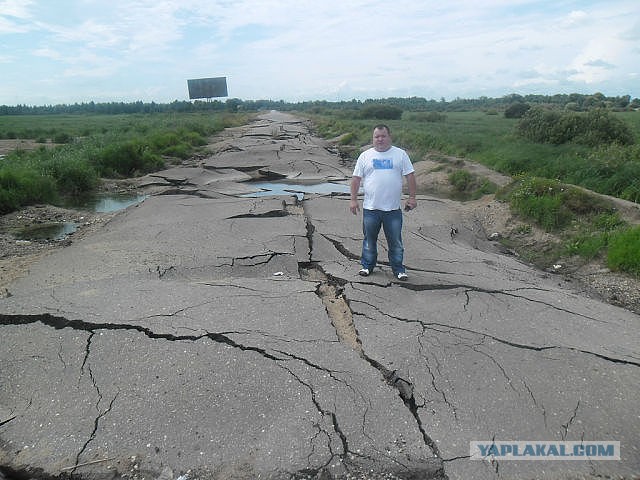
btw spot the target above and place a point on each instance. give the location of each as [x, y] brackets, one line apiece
[206, 334]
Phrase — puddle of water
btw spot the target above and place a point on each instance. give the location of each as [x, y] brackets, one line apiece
[97, 204]
[107, 203]
[46, 231]
[277, 188]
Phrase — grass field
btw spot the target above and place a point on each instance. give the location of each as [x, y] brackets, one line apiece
[95, 146]
[492, 140]
[47, 126]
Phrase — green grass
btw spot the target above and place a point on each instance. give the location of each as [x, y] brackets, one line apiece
[624, 251]
[492, 140]
[469, 186]
[35, 126]
[551, 204]
[588, 225]
[95, 146]
[592, 238]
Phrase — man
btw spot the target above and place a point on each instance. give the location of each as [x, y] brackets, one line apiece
[380, 170]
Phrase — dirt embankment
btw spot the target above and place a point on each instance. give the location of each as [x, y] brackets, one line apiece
[526, 241]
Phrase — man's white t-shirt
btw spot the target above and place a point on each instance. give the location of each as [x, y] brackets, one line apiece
[382, 174]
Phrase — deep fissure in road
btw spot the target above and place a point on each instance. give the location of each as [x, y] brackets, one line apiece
[331, 291]
[339, 312]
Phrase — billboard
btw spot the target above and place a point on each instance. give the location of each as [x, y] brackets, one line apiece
[207, 87]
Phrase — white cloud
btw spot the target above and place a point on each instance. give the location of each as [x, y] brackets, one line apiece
[13, 14]
[88, 34]
[596, 62]
[47, 52]
[304, 49]
[16, 8]
[575, 18]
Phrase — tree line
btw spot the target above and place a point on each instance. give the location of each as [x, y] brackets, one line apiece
[573, 102]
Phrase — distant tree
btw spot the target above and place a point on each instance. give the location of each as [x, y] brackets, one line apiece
[233, 104]
[516, 110]
[382, 112]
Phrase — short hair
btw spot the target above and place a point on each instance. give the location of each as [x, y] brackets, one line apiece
[382, 126]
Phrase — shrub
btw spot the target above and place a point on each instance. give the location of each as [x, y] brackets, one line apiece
[516, 110]
[193, 138]
[177, 143]
[608, 222]
[21, 186]
[553, 205]
[127, 159]
[469, 186]
[597, 127]
[549, 203]
[74, 176]
[536, 124]
[180, 150]
[461, 179]
[624, 251]
[546, 211]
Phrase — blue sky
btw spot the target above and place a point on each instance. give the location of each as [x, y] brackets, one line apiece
[67, 51]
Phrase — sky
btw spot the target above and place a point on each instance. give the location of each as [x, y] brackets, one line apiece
[65, 51]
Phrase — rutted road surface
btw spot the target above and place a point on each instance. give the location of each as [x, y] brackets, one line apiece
[210, 335]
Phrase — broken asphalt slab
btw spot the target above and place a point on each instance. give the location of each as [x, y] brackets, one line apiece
[218, 336]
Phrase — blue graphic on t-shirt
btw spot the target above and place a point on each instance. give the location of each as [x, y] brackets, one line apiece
[383, 163]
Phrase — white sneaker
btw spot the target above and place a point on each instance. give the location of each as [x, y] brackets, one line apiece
[402, 276]
[364, 272]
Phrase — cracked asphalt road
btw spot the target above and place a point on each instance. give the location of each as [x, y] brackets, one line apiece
[220, 336]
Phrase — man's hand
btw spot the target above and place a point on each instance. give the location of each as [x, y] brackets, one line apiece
[355, 186]
[410, 204]
[354, 207]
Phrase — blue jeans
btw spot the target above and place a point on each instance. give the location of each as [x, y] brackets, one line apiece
[391, 222]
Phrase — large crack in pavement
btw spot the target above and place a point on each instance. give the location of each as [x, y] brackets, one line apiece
[340, 310]
[340, 315]
[444, 327]
[467, 289]
[330, 291]
[279, 357]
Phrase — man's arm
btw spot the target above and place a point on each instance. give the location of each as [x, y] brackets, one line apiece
[355, 186]
[411, 202]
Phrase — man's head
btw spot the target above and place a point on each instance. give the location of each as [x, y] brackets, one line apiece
[381, 138]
